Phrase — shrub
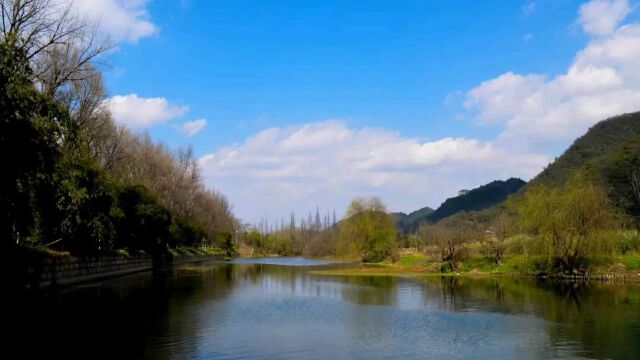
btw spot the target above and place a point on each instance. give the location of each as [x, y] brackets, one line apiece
[628, 242]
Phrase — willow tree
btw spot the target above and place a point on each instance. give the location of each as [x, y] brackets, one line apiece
[572, 222]
[367, 232]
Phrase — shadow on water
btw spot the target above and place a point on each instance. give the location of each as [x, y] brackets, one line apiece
[222, 310]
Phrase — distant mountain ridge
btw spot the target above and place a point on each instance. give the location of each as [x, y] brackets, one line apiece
[479, 198]
[410, 222]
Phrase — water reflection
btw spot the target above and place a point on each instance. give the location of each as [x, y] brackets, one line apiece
[249, 310]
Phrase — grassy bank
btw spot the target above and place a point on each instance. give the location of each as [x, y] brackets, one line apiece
[419, 264]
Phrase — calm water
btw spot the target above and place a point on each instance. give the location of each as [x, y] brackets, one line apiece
[271, 309]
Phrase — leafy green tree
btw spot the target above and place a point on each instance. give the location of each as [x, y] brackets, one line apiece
[186, 233]
[85, 205]
[572, 221]
[30, 124]
[227, 244]
[143, 223]
[367, 232]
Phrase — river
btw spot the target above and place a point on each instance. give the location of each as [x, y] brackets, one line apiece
[275, 309]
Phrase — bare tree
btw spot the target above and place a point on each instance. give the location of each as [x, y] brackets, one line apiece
[495, 237]
[35, 25]
[59, 45]
[450, 236]
[62, 50]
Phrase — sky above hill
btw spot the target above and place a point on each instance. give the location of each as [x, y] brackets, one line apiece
[296, 104]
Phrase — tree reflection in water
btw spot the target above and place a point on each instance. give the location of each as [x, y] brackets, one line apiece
[219, 310]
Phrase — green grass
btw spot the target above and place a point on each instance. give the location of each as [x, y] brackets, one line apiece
[412, 259]
[631, 261]
[508, 264]
[515, 265]
[378, 265]
[418, 264]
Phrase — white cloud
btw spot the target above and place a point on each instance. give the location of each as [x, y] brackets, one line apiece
[541, 111]
[327, 163]
[122, 20]
[193, 127]
[498, 99]
[139, 112]
[601, 17]
[529, 8]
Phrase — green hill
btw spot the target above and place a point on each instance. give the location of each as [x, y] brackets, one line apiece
[410, 222]
[605, 137]
[479, 198]
[609, 153]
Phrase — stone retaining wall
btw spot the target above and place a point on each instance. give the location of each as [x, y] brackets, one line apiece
[62, 271]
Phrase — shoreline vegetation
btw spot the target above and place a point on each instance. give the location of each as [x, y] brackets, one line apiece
[81, 183]
[625, 268]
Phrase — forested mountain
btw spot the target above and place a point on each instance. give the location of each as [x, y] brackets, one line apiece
[608, 153]
[410, 222]
[479, 198]
[605, 137]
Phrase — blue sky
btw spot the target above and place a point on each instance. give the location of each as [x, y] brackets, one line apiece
[284, 84]
[247, 65]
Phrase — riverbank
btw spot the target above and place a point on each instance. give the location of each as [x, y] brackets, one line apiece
[41, 268]
[603, 268]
